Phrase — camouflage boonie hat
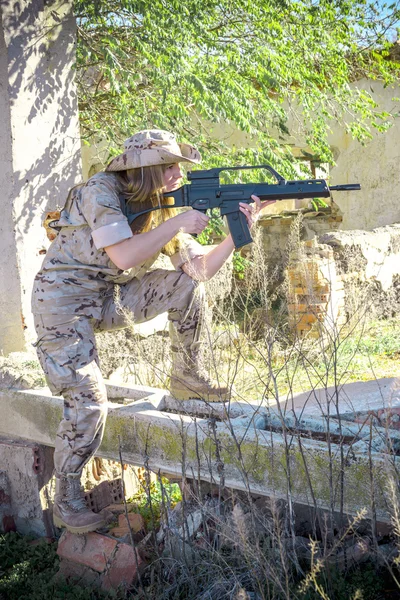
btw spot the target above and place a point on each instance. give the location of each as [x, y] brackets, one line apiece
[153, 147]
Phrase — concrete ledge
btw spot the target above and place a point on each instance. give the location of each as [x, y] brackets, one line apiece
[232, 452]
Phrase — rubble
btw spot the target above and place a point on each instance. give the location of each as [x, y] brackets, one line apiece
[99, 560]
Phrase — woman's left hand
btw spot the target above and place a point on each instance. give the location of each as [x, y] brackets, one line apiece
[252, 211]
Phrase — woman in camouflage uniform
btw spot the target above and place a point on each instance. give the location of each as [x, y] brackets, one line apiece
[73, 296]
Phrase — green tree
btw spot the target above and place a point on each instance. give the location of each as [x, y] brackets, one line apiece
[263, 66]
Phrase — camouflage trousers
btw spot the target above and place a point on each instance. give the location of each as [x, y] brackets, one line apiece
[66, 349]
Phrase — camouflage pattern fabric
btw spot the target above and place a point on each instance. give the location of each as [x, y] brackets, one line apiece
[153, 147]
[74, 294]
[77, 274]
[67, 352]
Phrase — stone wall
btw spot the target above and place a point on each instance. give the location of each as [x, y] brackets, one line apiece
[342, 273]
[278, 229]
[370, 265]
[316, 299]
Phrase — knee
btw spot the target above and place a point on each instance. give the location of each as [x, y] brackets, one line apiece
[89, 391]
[89, 377]
[85, 404]
[191, 287]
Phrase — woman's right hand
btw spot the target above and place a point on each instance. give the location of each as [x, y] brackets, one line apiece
[134, 251]
[192, 221]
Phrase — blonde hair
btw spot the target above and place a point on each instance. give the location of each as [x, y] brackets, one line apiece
[144, 189]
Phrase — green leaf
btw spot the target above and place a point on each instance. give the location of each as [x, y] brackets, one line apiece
[190, 66]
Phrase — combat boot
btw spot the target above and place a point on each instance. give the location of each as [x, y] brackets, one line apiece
[70, 509]
[189, 381]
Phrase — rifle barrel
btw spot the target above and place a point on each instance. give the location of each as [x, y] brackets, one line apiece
[346, 187]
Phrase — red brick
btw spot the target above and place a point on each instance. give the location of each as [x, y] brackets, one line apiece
[123, 570]
[136, 521]
[72, 570]
[92, 549]
[305, 319]
[309, 308]
[303, 327]
[116, 508]
[119, 532]
[8, 524]
[40, 541]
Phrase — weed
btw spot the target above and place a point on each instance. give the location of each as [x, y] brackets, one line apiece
[362, 583]
[236, 550]
[27, 572]
[153, 497]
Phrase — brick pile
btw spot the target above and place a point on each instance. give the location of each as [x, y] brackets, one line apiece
[316, 301]
[276, 230]
[99, 560]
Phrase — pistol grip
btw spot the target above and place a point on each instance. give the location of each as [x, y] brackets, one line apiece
[239, 229]
[204, 212]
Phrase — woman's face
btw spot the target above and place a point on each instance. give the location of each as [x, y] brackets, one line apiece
[172, 177]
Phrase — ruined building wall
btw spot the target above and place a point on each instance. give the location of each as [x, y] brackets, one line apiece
[277, 229]
[341, 273]
[370, 265]
[39, 150]
[375, 166]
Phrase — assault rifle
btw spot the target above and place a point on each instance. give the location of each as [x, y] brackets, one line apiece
[206, 192]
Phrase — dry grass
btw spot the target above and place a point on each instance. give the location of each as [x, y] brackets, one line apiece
[241, 551]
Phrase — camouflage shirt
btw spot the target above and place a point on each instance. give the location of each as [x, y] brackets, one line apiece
[77, 274]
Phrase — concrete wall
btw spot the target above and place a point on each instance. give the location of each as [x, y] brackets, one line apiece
[376, 166]
[155, 430]
[40, 147]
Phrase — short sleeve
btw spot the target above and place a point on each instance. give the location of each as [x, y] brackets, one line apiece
[188, 250]
[101, 208]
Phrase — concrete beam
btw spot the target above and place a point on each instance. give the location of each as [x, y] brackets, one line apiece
[224, 446]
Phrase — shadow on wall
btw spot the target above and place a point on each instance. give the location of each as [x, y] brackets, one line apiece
[39, 41]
